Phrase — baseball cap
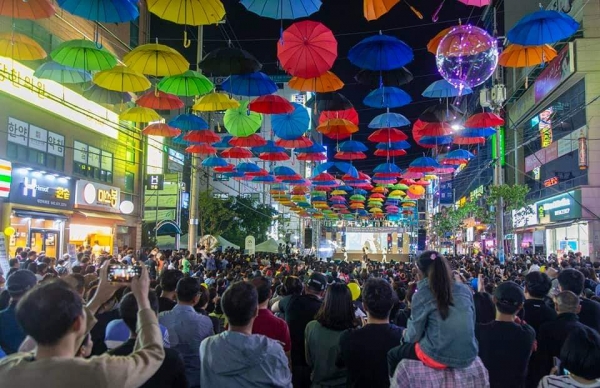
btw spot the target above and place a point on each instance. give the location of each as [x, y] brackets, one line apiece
[317, 281]
[20, 282]
[510, 293]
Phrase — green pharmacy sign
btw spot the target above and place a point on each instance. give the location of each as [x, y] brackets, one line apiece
[562, 207]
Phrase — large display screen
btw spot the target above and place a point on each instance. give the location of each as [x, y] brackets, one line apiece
[374, 242]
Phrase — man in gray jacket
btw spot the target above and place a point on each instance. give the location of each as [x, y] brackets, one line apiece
[238, 358]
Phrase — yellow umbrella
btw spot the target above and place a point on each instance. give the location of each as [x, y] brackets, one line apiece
[516, 55]
[375, 210]
[140, 114]
[397, 193]
[122, 79]
[338, 192]
[326, 82]
[20, 47]
[215, 102]
[156, 60]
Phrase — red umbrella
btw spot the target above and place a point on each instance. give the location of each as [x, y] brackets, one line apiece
[323, 177]
[432, 129]
[386, 153]
[236, 153]
[253, 140]
[347, 114]
[311, 157]
[350, 155]
[229, 168]
[274, 156]
[484, 120]
[160, 100]
[261, 172]
[385, 135]
[468, 140]
[307, 49]
[271, 104]
[202, 136]
[203, 149]
[422, 182]
[161, 129]
[301, 142]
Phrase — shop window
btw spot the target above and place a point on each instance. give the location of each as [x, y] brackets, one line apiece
[91, 162]
[130, 151]
[34, 145]
[19, 153]
[129, 182]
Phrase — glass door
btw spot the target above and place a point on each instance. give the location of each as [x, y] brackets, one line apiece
[45, 240]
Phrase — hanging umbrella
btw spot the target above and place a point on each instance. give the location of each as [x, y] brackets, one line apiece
[459, 154]
[236, 153]
[242, 121]
[61, 74]
[387, 135]
[482, 120]
[301, 142]
[224, 142]
[155, 99]
[30, 9]
[213, 102]
[388, 120]
[83, 54]
[201, 149]
[103, 11]
[542, 27]
[333, 101]
[161, 129]
[188, 122]
[387, 97]
[375, 79]
[228, 168]
[282, 9]
[139, 114]
[188, 12]
[253, 140]
[432, 129]
[271, 152]
[347, 114]
[433, 44]
[337, 128]
[307, 49]
[441, 113]
[270, 104]
[201, 136]
[252, 84]
[190, 83]
[516, 55]
[214, 161]
[226, 61]
[292, 125]
[105, 96]
[122, 79]
[477, 132]
[388, 170]
[423, 164]
[374, 9]
[389, 153]
[156, 60]
[380, 52]
[352, 146]
[20, 47]
[444, 89]
[341, 155]
[325, 83]
[284, 171]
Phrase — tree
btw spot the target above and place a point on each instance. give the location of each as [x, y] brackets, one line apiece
[251, 218]
[514, 196]
[215, 215]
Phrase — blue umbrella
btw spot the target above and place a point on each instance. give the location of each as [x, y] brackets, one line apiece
[353, 146]
[103, 11]
[542, 27]
[282, 9]
[290, 126]
[214, 161]
[284, 171]
[179, 140]
[224, 142]
[252, 84]
[380, 52]
[387, 168]
[387, 97]
[434, 140]
[397, 145]
[62, 74]
[360, 192]
[234, 174]
[459, 154]
[444, 89]
[264, 179]
[389, 120]
[424, 161]
[477, 132]
[313, 149]
[105, 96]
[269, 147]
[344, 167]
[247, 167]
[188, 122]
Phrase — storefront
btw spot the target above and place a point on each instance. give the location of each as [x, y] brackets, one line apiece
[565, 232]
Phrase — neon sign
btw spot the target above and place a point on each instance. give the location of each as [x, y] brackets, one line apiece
[551, 181]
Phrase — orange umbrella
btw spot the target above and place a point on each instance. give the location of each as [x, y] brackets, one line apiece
[516, 55]
[433, 44]
[374, 9]
[337, 128]
[161, 129]
[326, 82]
[30, 9]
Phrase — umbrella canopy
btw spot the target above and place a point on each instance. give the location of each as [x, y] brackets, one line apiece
[213, 102]
[188, 122]
[291, 125]
[387, 135]
[542, 27]
[307, 49]
[333, 101]
[482, 120]
[389, 120]
[346, 114]
[156, 60]
[202, 136]
[387, 97]
[104, 11]
[214, 161]
[83, 54]
[201, 149]
[224, 142]
[61, 74]
[284, 171]
[350, 155]
[421, 129]
[241, 121]
[310, 156]
[301, 142]
[476, 3]
[253, 140]
[441, 113]
[271, 104]
[325, 83]
[477, 132]
[375, 79]
[380, 52]
[228, 168]
[190, 83]
[337, 128]
[315, 148]
[433, 44]
[189, 12]
[282, 9]
[139, 114]
[388, 170]
[468, 140]
[161, 129]
[444, 89]
[156, 99]
[374, 9]
[389, 153]
[226, 61]
[105, 96]
[516, 55]
[30, 9]
[122, 79]
[423, 164]
[252, 84]
[352, 146]
[236, 153]
[20, 47]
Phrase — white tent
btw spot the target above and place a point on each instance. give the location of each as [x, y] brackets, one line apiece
[168, 242]
[227, 244]
[268, 246]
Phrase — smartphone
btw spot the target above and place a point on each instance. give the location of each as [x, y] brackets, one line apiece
[123, 273]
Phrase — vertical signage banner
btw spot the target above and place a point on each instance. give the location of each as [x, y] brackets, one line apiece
[250, 245]
[557, 71]
[499, 132]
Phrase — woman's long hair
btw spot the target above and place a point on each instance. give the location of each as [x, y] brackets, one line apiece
[435, 267]
[337, 310]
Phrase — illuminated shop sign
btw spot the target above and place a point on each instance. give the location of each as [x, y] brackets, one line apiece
[5, 178]
[525, 216]
[551, 181]
[546, 127]
[39, 188]
[561, 207]
[92, 195]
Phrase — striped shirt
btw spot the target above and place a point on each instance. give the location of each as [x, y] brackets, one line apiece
[564, 382]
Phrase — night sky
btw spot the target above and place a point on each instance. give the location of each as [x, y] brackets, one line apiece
[345, 18]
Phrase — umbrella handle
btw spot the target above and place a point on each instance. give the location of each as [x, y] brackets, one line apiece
[97, 38]
[435, 15]
[186, 42]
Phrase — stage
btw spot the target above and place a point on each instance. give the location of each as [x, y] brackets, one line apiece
[358, 256]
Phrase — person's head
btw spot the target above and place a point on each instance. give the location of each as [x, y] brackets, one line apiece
[33, 267]
[204, 298]
[434, 266]
[31, 255]
[292, 285]
[169, 279]
[378, 298]
[128, 308]
[188, 291]
[567, 302]
[317, 283]
[263, 288]
[337, 310]
[77, 281]
[240, 304]
[509, 298]
[537, 284]
[580, 354]
[485, 310]
[13, 263]
[19, 283]
[571, 280]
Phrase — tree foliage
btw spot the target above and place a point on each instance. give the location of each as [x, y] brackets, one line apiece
[251, 218]
[215, 215]
[514, 196]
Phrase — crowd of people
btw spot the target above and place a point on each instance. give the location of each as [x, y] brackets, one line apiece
[228, 319]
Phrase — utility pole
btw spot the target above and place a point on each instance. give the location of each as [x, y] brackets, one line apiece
[498, 97]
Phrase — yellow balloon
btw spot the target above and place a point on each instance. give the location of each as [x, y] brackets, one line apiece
[9, 231]
[354, 290]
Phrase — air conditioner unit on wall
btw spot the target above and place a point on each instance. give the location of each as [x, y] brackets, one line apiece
[485, 98]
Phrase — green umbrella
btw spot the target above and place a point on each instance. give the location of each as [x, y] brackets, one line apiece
[357, 197]
[62, 74]
[83, 54]
[242, 122]
[399, 186]
[190, 83]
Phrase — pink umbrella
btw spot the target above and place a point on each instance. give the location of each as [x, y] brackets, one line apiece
[476, 3]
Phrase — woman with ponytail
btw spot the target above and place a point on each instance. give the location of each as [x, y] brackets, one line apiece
[440, 331]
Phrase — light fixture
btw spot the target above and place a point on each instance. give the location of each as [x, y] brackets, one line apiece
[456, 127]
[126, 207]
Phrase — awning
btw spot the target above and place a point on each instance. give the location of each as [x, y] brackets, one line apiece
[106, 216]
[43, 215]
